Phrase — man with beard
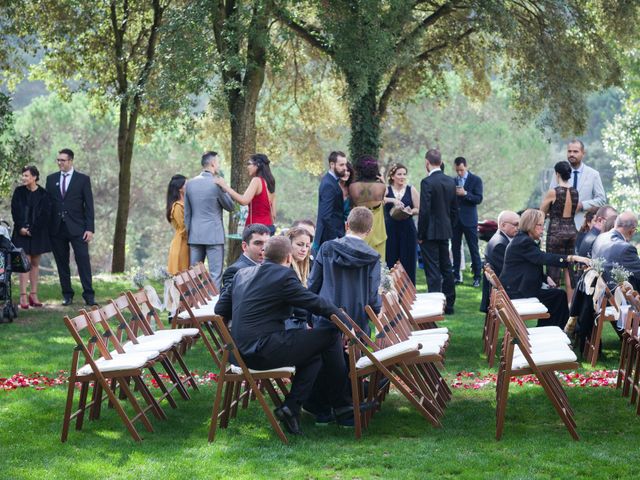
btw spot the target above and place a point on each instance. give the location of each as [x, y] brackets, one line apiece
[330, 224]
[584, 179]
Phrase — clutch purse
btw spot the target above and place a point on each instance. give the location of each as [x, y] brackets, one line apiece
[399, 213]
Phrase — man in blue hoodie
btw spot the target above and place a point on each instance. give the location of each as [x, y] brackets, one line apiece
[346, 271]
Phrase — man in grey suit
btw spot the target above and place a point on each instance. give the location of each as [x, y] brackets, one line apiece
[584, 179]
[203, 204]
[614, 247]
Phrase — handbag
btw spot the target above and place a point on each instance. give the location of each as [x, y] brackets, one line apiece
[398, 213]
[19, 261]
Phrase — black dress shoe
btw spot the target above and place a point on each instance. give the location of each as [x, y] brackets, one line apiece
[67, 301]
[91, 303]
[459, 282]
[288, 419]
[448, 311]
[476, 283]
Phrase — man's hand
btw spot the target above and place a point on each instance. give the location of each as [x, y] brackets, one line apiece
[25, 232]
[88, 236]
[460, 191]
[551, 283]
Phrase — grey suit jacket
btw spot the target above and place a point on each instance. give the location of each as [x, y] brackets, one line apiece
[590, 191]
[615, 249]
[203, 204]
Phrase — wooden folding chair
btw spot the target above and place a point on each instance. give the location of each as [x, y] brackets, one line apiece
[521, 357]
[231, 378]
[527, 308]
[630, 341]
[380, 363]
[605, 314]
[425, 310]
[144, 318]
[92, 363]
[205, 279]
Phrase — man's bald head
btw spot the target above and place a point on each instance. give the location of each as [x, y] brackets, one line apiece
[626, 224]
[508, 222]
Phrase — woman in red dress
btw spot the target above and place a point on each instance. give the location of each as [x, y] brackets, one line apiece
[260, 195]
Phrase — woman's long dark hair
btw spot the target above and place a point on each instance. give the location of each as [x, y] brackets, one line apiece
[261, 161]
[173, 192]
[366, 168]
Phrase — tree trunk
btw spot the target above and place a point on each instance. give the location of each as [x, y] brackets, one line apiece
[126, 136]
[365, 123]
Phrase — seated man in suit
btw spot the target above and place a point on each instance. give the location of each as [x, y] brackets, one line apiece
[604, 217]
[615, 248]
[254, 238]
[508, 223]
[259, 300]
[346, 271]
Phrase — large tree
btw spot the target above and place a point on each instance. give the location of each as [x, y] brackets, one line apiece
[550, 52]
[109, 49]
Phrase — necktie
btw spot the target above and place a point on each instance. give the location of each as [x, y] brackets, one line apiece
[575, 179]
[64, 184]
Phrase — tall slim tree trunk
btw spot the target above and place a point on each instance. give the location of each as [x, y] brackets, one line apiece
[365, 123]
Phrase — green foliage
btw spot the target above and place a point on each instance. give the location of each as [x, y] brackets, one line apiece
[15, 149]
[91, 133]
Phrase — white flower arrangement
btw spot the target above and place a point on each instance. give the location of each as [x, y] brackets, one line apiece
[597, 264]
[619, 273]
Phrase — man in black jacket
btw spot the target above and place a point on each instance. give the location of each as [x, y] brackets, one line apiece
[254, 238]
[259, 301]
[438, 214]
[508, 222]
[71, 224]
[330, 224]
[605, 216]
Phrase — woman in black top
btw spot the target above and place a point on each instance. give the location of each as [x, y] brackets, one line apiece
[522, 274]
[31, 209]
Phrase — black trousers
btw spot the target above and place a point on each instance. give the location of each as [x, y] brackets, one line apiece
[437, 268]
[555, 299]
[311, 352]
[60, 244]
[471, 237]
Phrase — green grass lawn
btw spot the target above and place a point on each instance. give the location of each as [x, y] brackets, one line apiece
[399, 443]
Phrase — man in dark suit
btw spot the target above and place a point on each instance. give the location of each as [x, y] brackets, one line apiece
[605, 216]
[508, 222]
[72, 224]
[330, 224]
[438, 214]
[615, 248]
[254, 238]
[259, 301]
[469, 196]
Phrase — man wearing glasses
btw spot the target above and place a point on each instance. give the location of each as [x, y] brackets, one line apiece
[72, 224]
[508, 223]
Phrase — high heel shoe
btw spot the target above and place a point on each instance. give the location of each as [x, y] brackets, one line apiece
[23, 306]
[32, 302]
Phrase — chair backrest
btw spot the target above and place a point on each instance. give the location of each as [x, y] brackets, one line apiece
[140, 303]
[205, 278]
[189, 298]
[88, 340]
[100, 318]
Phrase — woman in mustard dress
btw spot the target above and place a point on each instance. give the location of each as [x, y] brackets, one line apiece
[370, 191]
[179, 249]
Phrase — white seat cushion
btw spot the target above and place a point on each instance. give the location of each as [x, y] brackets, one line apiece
[542, 339]
[439, 339]
[430, 331]
[431, 296]
[545, 358]
[213, 301]
[161, 344]
[169, 332]
[237, 370]
[430, 309]
[531, 308]
[544, 330]
[126, 361]
[204, 311]
[389, 352]
[518, 301]
[611, 311]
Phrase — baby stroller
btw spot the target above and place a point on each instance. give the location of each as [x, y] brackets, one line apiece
[8, 310]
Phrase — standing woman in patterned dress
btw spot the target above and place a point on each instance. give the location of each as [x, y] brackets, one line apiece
[560, 205]
[401, 234]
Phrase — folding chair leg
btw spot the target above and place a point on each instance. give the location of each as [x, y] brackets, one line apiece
[66, 419]
[134, 403]
[355, 392]
[185, 369]
[165, 393]
[82, 404]
[216, 407]
[96, 399]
